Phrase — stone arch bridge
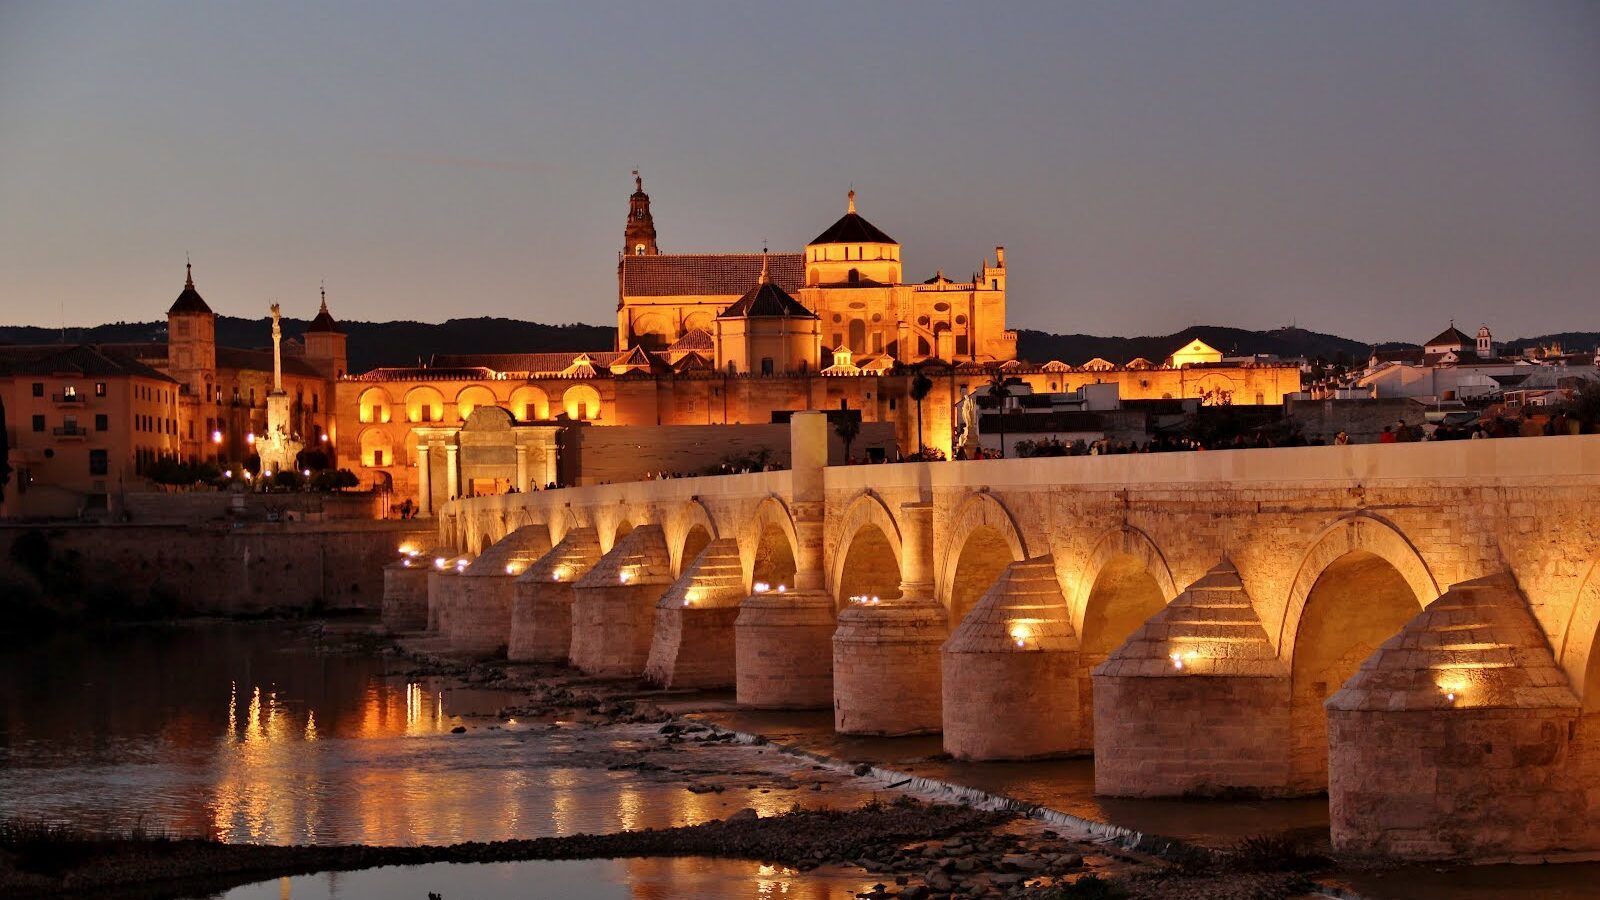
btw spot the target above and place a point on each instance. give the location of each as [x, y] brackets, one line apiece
[1407, 627]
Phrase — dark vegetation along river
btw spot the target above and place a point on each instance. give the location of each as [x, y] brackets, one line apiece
[291, 734]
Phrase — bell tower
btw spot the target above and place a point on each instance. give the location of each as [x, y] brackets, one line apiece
[639, 238]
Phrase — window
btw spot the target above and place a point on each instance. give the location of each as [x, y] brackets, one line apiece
[70, 391]
[804, 367]
[843, 403]
[97, 462]
[377, 457]
[766, 365]
[891, 404]
[995, 283]
[99, 388]
[102, 422]
[732, 369]
[38, 389]
[38, 423]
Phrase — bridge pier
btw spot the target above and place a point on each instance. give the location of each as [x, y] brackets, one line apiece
[481, 621]
[886, 654]
[405, 592]
[783, 648]
[541, 610]
[443, 570]
[1456, 738]
[613, 606]
[783, 642]
[1195, 702]
[693, 642]
[1011, 671]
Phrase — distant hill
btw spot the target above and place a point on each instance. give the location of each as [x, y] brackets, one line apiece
[371, 344]
[1073, 349]
[375, 344]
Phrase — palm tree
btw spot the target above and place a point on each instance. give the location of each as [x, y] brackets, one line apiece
[921, 386]
[847, 427]
[999, 390]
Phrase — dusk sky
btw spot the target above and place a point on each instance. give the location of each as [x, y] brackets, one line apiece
[1370, 169]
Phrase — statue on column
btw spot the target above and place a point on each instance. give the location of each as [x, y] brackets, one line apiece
[280, 448]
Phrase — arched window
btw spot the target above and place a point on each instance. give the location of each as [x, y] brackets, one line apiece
[766, 365]
[638, 249]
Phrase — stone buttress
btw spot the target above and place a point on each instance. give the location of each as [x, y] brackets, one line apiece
[1454, 739]
[486, 591]
[614, 605]
[1010, 671]
[541, 610]
[693, 644]
[1195, 702]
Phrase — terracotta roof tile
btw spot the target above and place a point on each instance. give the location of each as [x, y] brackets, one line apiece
[707, 274]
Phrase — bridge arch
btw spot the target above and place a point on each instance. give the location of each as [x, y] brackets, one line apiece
[1358, 532]
[769, 545]
[1357, 586]
[688, 532]
[866, 559]
[1124, 581]
[1578, 642]
[983, 538]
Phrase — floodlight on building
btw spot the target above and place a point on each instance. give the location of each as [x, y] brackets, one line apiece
[438, 562]
[216, 437]
[624, 576]
[250, 438]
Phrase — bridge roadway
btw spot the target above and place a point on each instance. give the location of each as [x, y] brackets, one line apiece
[1406, 627]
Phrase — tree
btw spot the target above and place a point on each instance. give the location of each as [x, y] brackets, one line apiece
[921, 386]
[999, 390]
[1583, 405]
[848, 428]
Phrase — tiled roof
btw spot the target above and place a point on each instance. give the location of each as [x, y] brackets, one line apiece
[707, 274]
[425, 373]
[532, 363]
[766, 300]
[189, 300]
[852, 229]
[1409, 355]
[80, 359]
[694, 339]
[261, 361]
[1452, 335]
[324, 321]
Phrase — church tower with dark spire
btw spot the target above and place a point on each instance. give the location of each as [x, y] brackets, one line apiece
[639, 238]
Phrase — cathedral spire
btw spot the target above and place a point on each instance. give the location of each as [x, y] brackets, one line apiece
[188, 272]
[852, 205]
[765, 278]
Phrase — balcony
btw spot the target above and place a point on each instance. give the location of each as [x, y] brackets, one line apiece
[68, 399]
[70, 432]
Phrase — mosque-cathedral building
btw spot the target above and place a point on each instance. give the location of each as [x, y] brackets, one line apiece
[741, 339]
[703, 339]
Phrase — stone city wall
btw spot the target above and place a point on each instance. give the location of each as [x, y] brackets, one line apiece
[226, 569]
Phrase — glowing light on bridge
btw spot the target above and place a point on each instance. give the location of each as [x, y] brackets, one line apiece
[760, 587]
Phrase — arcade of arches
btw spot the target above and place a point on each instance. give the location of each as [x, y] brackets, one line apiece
[1275, 631]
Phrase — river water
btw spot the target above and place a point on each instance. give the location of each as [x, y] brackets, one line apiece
[263, 733]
